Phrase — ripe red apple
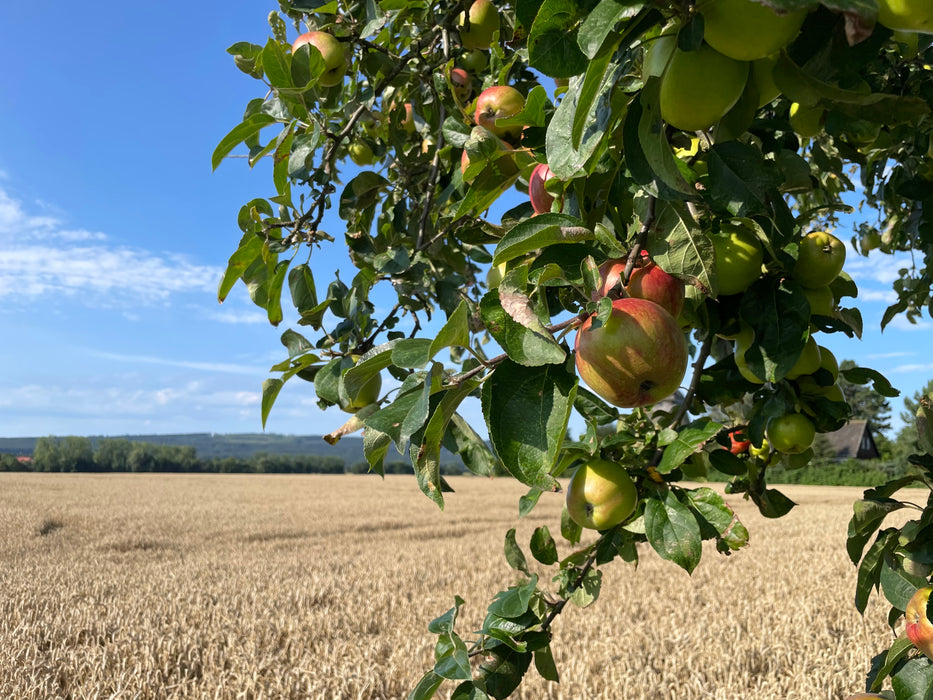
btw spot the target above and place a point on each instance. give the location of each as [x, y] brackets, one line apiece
[738, 437]
[636, 358]
[499, 102]
[484, 21]
[331, 51]
[463, 84]
[541, 199]
[819, 260]
[652, 283]
[919, 628]
[601, 495]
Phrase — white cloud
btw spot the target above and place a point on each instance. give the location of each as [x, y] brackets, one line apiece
[901, 323]
[42, 257]
[222, 367]
[914, 368]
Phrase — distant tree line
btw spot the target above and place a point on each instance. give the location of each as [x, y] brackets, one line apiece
[80, 454]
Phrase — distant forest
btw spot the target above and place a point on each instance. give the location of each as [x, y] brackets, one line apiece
[198, 452]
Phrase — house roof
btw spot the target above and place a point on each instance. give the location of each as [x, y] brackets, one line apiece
[853, 441]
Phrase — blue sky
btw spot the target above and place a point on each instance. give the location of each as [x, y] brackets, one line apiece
[114, 232]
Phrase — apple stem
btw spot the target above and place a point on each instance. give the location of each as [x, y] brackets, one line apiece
[640, 239]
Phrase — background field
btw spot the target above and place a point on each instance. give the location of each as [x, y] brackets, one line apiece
[234, 586]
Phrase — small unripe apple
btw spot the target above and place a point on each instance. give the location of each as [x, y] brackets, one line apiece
[919, 629]
[637, 357]
[699, 87]
[822, 301]
[541, 199]
[499, 102]
[738, 256]
[601, 495]
[743, 341]
[906, 15]
[475, 61]
[484, 22]
[331, 51]
[808, 362]
[747, 30]
[806, 121]
[361, 154]
[791, 433]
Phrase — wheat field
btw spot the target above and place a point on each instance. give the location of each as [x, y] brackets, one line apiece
[245, 586]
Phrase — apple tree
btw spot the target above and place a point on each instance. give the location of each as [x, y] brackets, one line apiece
[619, 213]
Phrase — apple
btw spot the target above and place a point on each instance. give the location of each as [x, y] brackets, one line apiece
[541, 199]
[368, 394]
[906, 15]
[763, 75]
[743, 341]
[808, 362]
[654, 284]
[474, 61]
[637, 357]
[601, 495]
[739, 443]
[822, 300]
[699, 87]
[499, 102]
[819, 260]
[738, 257]
[463, 84]
[371, 123]
[828, 362]
[764, 453]
[484, 22]
[908, 44]
[791, 433]
[919, 629]
[331, 51]
[361, 154]
[746, 30]
[806, 121]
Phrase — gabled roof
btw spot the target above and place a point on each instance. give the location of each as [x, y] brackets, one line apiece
[853, 441]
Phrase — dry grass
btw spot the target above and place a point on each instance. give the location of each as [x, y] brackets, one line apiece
[195, 586]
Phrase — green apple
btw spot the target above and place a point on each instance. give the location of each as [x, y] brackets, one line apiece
[743, 341]
[791, 433]
[636, 358]
[819, 260]
[368, 394]
[763, 75]
[822, 300]
[806, 121]
[738, 255]
[919, 629]
[484, 23]
[700, 87]
[601, 495]
[906, 15]
[331, 51]
[747, 30]
[361, 154]
[474, 61]
[499, 102]
[808, 362]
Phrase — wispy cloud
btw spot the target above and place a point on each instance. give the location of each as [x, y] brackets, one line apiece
[43, 257]
[222, 367]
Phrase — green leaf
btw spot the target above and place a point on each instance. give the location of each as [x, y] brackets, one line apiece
[502, 670]
[544, 663]
[445, 623]
[472, 449]
[526, 411]
[601, 21]
[427, 687]
[672, 530]
[514, 602]
[897, 653]
[528, 501]
[452, 661]
[715, 513]
[869, 571]
[780, 314]
[537, 232]
[690, 439]
[376, 446]
[468, 691]
[914, 680]
[569, 529]
[513, 553]
[863, 375]
[679, 246]
[276, 65]
[543, 546]
[523, 345]
[428, 462]
[270, 392]
[455, 333]
[552, 41]
[727, 463]
[867, 516]
[772, 503]
[741, 180]
[245, 256]
[248, 128]
[898, 586]
[587, 591]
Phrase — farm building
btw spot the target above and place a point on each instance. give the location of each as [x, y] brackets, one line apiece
[853, 441]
